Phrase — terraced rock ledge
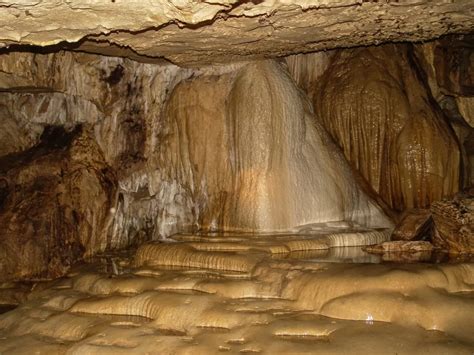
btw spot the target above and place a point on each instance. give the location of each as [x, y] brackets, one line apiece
[247, 294]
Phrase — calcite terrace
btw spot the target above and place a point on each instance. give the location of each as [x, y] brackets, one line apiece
[265, 176]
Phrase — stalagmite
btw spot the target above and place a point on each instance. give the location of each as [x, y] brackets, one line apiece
[269, 166]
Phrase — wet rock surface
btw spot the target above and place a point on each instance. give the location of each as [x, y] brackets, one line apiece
[270, 166]
[404, 251]
[400, 246]
[448, 69]
[377, 108]
[453, 62]
[246, 294]
[104, 144]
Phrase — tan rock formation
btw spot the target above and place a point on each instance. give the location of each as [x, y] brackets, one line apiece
[269, 165]
[225, 298]
[234, 148]
[192, 32]
[117, 147]
[104, 144]
[376, 107]
[68, 88]
[466, 109]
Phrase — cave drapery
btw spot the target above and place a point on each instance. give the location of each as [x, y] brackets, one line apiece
[230, 170]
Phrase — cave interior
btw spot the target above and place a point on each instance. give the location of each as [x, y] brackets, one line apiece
[186, 177]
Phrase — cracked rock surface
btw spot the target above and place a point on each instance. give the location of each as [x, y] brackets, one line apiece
[193, 32]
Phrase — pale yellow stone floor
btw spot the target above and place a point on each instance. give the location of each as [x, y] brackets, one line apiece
[236, 294]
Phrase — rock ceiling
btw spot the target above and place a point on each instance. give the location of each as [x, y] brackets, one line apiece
[190, 32]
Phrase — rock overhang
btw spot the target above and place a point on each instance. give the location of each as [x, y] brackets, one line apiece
[193, 33]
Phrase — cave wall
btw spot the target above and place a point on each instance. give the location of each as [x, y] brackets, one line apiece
[150, 150]
[168, 149]
[118, 100]
[376, 104]
[55, 201]
[449, 66]
[62, 202]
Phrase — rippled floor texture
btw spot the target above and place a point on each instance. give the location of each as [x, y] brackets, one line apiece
[239, 294]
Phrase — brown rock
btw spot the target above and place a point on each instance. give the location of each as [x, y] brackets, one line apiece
[454, 224]
[54, 204]
[448, 65]
[400, 246]
[415, 225]
[375, 104]
[454, 65]
[403, 251]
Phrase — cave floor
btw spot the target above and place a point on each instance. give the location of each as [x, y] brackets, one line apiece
[211, 294]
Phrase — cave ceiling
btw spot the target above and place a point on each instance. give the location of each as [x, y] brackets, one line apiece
[192, 33]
